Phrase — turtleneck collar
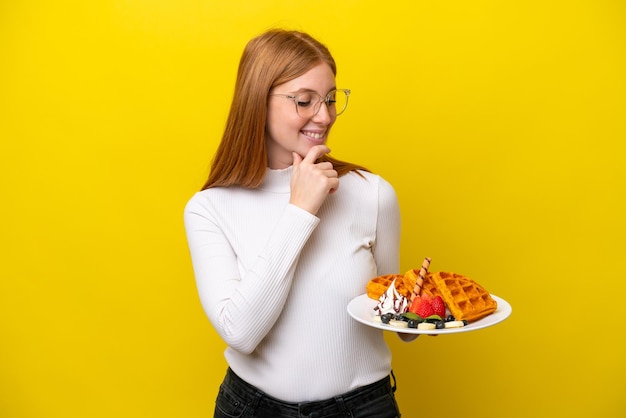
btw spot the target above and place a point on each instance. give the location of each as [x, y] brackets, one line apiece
[277, 181]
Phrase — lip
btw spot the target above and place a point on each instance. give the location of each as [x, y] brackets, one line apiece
[315, 136]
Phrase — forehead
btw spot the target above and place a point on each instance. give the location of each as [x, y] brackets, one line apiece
[319, 79]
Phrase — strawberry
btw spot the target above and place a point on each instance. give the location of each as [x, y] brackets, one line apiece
[427, 297]
[439, 307]
[415, 304]
[425, 308]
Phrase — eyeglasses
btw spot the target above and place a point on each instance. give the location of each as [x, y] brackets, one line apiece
[308, 103]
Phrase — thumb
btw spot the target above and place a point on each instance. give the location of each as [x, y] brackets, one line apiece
[297, 159]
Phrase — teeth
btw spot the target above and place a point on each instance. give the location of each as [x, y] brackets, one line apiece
[314, 135]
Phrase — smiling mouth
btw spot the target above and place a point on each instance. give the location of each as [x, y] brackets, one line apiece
[314, 135]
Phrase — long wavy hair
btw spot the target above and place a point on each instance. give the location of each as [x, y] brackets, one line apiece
[268, 60]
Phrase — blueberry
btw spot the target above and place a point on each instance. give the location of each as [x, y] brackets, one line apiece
[412, 323]
[401, 317]
[450, 318]
[385, 318]
[440, 324]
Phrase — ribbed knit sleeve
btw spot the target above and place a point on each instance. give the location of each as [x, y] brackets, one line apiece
[243, 308]
[386, 249]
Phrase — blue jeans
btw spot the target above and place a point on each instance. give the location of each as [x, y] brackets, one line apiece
[239, 399]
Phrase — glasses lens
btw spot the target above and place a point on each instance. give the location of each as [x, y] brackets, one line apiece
[308, 104]
[338, 101]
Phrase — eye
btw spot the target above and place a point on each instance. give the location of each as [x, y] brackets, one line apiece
[301, 103]
[304, 99]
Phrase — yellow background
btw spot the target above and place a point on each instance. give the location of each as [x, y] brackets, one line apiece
[500, 123]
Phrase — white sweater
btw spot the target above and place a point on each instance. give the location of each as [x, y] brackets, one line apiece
[275, 281]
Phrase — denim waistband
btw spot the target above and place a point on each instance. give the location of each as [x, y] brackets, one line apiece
[340, 403]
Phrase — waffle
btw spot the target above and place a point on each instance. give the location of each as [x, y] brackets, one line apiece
[377, 286]
[410, 280]
[465, 298]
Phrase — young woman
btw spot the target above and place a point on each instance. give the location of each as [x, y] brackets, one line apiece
[283, 236]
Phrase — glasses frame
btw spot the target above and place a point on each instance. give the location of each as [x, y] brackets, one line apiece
[327, 100]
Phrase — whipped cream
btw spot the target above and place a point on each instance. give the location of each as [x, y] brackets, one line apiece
[391, 301]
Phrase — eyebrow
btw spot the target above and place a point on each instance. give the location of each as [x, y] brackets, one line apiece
[306, 90]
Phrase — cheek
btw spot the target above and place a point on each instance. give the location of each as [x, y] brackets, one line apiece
[273, 125]
[279, 119]
[284, 125]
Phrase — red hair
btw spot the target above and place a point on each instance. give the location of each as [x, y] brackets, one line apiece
[273, 58]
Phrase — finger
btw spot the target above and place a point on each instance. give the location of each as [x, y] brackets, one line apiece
[330, 173]
[315, 153]
[335, 187]
[297, 159]
[325, 166]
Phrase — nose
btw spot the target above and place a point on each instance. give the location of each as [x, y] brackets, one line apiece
[323, 115]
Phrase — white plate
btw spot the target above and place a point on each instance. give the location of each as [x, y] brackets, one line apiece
[362, 307]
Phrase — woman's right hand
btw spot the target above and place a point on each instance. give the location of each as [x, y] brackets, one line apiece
[312, 182]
